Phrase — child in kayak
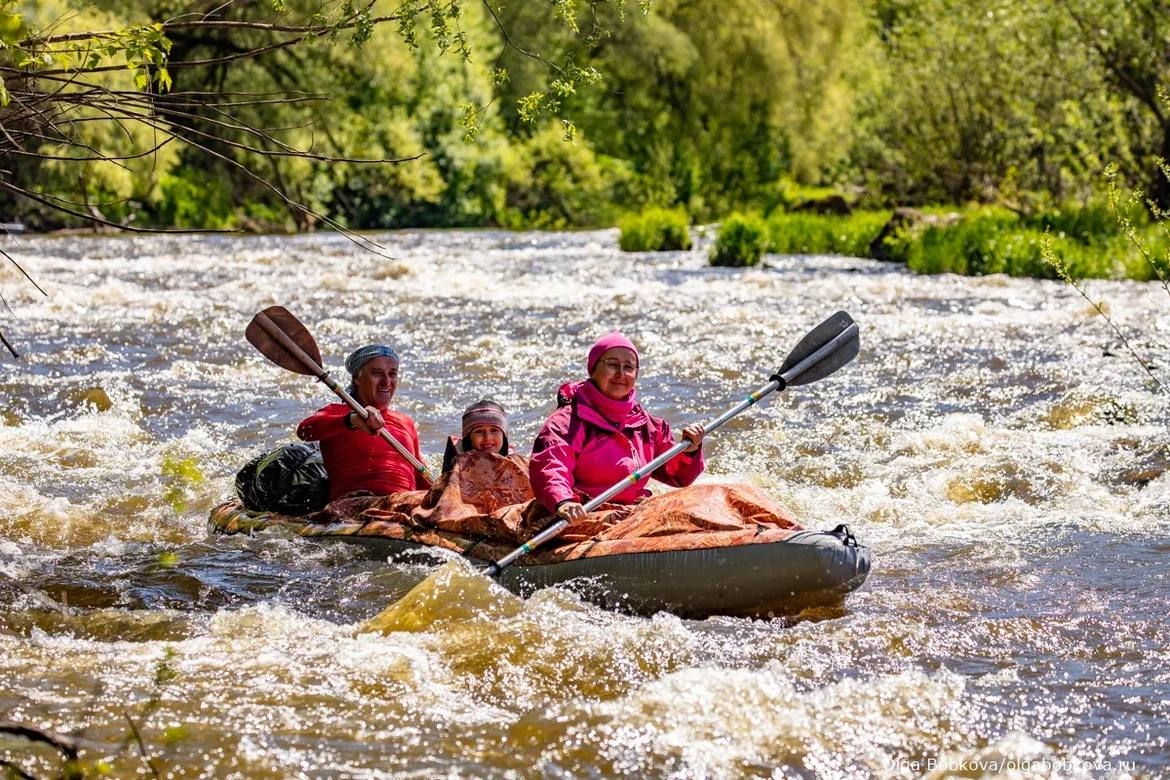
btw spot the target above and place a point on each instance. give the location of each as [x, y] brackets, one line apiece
[485, 429]
[484, 488]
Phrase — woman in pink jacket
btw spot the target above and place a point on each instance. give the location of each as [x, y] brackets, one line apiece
[600, 435]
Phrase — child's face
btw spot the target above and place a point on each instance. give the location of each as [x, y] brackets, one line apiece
[486, 438]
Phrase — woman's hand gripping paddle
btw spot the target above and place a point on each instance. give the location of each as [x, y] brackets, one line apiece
[825, 348]
[282, 338]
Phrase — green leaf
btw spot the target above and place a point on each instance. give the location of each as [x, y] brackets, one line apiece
[529, 106]
[12, 29]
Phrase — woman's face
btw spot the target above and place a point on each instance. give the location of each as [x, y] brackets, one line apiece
[486, 438]
[376, 382]
[616, 372]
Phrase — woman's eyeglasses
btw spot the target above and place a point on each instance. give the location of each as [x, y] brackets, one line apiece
[618, 367]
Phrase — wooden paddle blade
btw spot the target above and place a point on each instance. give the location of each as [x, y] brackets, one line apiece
[826, 348]
[282, 338]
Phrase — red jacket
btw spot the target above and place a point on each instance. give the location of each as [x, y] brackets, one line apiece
[580, 453]
[356, 460]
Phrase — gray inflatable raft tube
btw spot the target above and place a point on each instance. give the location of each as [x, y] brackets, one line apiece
[808, 569]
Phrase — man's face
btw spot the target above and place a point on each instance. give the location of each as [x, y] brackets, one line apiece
[376, 382]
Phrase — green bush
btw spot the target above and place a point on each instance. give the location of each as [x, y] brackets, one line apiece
[741, 241]
[269, 217]
[993, 242]
[655, 230]
[809, 234]
[191, 199]
[557, 185]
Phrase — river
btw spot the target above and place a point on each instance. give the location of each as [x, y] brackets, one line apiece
[994, 444]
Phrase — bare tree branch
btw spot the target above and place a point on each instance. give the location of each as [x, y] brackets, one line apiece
[134, 731]
[8, 345]
[23, 273]
[62, 744]
[59, 205]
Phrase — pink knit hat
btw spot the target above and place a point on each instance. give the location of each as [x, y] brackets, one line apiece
[484, 413]
[613, 340]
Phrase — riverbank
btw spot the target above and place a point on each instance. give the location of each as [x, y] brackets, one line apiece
[1094, 241]
[1077, 242]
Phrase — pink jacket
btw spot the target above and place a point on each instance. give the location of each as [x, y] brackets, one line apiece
[579, 452]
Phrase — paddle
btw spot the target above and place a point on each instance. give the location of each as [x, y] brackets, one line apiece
[825, 348]
[282, 338]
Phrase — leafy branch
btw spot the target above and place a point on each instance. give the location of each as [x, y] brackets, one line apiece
[111, 97]
[1160, 265]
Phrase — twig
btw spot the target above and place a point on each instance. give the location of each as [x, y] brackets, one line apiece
[1062, 270]
[8, 346]
[23, 272]
[203, 24]
[142, 746]
[64, 745]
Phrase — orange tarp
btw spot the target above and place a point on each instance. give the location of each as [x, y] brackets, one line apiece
[484, 507]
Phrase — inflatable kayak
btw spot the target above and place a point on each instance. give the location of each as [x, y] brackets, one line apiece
[759, 570]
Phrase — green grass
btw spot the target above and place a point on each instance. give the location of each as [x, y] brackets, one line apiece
[818, 234]
[655, 230]
[1085, 241]
[990, 241]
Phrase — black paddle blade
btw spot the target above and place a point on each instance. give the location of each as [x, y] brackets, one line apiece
[264, 333]
[830, 345]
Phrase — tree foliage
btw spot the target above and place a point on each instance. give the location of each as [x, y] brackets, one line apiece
[1128, 43]
[980, 101]
[713, 104]
[285, 114]
[281, 114]
[124, 112]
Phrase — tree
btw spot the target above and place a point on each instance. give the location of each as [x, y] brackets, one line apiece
[122, 112]
[713, 104]
[1129, 40]
[239, 85]
[982, 100]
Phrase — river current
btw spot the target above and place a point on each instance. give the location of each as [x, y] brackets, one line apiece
[995, 444]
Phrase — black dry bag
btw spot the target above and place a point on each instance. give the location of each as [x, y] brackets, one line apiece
[290, 480]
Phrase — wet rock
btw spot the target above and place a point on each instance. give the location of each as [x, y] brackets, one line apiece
[830, 204]
[1073, 412]
[89, 396]
[905, 218]
[1137, 462]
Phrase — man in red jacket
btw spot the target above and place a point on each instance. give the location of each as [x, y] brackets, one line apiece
[355, 456]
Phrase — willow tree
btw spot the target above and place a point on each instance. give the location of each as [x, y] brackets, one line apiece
[96, 93]
[714, 104]
[983, 100]
[106, 104]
